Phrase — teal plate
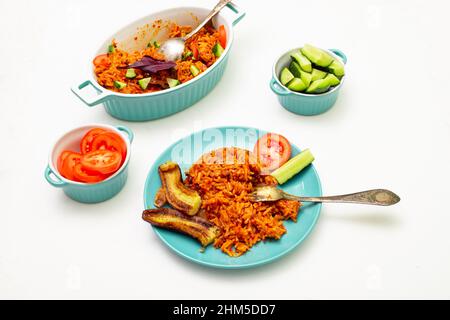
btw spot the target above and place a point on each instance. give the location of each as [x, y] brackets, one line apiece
[185, 152]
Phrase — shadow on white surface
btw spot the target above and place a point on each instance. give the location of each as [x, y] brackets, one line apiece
[286, 262]
[367, 216]
[373, 217]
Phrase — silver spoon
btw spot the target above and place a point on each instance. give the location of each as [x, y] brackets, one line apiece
[174, 48]
[378, 197]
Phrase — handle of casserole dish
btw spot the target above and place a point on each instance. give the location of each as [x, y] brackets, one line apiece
[277, 88]
[127, 131]
[53, 179]
[102, 96]
[340, 54]
[236, 10]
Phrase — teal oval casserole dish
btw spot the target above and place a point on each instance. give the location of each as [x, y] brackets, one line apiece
[303, 103]
[155, 105]
[85, 192]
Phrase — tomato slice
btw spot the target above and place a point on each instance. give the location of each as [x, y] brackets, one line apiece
[101, 161]
[83, 175]
[110, 141]
[102, 60]
[273, 150]
[86, 142]
[61, 159]
[222, 36]
[195, 52]
[68, 164]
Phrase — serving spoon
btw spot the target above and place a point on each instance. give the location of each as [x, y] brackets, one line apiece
[174, 48]
[378, 197]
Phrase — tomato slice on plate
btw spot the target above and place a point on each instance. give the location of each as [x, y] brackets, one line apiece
[222, 36]
[86, 142]
[273, 150]
[102, 60]
[70, 160]
[110, 141]
[101, 161]
[83, 175]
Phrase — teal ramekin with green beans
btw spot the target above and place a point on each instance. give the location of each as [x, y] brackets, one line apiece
[308, 80]
[88, 192]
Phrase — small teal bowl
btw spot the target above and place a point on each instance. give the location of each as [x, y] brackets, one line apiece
[303, 103]
[84, 192]
[156, 105]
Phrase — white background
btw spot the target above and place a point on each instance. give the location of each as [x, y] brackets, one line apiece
[390, 128]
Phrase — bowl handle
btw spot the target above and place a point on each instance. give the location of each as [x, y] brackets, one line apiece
[236, 10]
[127, 131]
[56, 182]
[90, 101]
[340, 54]
[278, 89]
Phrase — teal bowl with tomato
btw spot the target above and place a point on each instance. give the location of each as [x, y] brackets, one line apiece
[95, 191]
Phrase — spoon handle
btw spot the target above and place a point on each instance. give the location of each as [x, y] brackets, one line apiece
[378, 197]
[217, 8]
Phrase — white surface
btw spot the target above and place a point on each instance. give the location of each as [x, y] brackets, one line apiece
[390, 128]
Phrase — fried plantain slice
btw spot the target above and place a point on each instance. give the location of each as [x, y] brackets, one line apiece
[198, 228]
[160, 198]
[177, 194]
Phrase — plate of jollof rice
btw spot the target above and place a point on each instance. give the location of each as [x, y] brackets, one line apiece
[217, 164]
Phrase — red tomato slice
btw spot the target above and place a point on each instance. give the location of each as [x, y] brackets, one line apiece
[86, 142]
[84, 176]
[61, 159]
[68, 164]
[195, 52]
[273, 150]
[102, 60]
[101, 161]
[110, 141]
[222, 36]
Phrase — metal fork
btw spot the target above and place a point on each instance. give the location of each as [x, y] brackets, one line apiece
[378, 197]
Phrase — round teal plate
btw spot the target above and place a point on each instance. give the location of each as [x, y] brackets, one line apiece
[187, 151]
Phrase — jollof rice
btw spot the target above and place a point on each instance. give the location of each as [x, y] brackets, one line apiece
[225, 178]
[119, 60]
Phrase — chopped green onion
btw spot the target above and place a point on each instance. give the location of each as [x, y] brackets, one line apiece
[186, 55]
[131, 74]
[172, 82]
[155, 44]
[217, 50]
[119, 85]
[194, 70]
[143, 83]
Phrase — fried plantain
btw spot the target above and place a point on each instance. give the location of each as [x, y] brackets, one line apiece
[160, 198]
[177, 194]
[199, 228]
